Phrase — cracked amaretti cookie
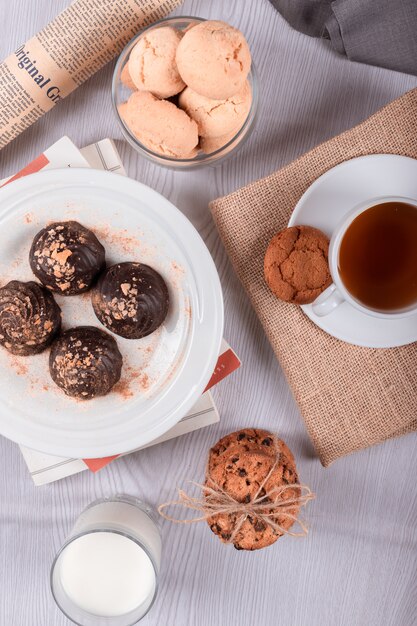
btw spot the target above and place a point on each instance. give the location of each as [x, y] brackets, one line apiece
[239, 464]
[296, 266]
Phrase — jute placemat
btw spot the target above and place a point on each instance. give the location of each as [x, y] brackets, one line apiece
[349, 397]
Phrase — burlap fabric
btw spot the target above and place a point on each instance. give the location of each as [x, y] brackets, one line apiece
[349, 397]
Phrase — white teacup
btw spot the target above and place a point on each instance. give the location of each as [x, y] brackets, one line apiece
[337, 293]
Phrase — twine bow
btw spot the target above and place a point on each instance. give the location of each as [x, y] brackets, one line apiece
[265, 506]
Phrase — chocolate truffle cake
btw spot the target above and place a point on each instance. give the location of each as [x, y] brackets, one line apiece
[29, 317]
[66, 257]
[131, 300]
[85, 362]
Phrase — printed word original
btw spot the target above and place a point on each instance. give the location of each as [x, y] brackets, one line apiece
[29, 66]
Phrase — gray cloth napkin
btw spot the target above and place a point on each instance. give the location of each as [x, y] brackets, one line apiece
[378, 32]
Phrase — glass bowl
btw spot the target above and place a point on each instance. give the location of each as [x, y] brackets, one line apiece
[120, 93]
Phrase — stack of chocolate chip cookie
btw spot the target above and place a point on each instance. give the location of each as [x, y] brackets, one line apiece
[239, 464]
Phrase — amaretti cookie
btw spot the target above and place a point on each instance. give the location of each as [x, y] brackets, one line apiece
[216, 118]
[29, 317]
[210, 144]
[239, 464]
[126, 78]
[85, 362]
[213, 58]
[131, 299]
[296, 264]
[66, 257]
[152, 65]
[160, 125]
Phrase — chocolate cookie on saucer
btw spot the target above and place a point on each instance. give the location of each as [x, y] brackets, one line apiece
[85, 362]
[131, 299]
[66, 257]
[29, 317]
[247, 465]
[296, 264]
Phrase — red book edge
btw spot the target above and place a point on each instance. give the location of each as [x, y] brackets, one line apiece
[35, 166]
[226, 364]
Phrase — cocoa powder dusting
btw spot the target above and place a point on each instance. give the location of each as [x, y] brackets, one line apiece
[122, 388]
[119, 238]
[188, 311]
[17, 262]
[18, 365]
[142, 379]
[176, 275]
[133, 382]
[177, 268]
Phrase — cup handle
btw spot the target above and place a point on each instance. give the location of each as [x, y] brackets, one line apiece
[327, 301]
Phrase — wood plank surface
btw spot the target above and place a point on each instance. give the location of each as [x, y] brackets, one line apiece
[357, 567]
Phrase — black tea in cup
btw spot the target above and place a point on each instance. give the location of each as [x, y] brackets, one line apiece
[378, 257]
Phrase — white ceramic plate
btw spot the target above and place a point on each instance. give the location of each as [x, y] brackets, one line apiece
[325, 203]
[163, 374]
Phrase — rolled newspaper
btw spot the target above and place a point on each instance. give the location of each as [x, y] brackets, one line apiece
[70, 49]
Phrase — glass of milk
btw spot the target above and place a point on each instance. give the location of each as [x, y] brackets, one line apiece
[106, 573]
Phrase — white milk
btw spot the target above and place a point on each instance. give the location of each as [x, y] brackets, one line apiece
[107, 574]
[109, 565]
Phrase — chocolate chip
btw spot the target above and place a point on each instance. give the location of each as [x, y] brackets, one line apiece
[261, 494]
[287, 475]
[259, 526]
[247, 481]
[267, 441]
[229, 467]
[215, 528]
[226, 536]
[242, 472]
[235, 459]
[241, 436]
[237, 546]
[247, 499]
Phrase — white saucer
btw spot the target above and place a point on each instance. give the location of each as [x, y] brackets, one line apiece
[325, 203]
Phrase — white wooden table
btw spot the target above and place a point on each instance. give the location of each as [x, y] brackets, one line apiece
[357, 567]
